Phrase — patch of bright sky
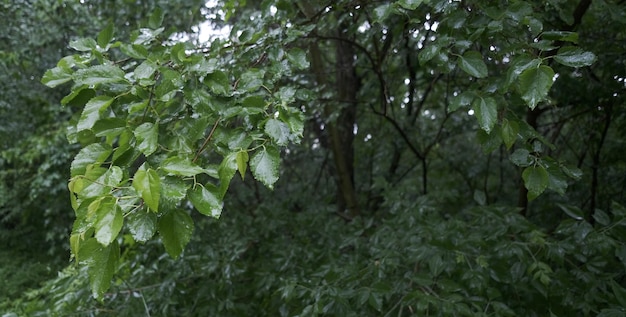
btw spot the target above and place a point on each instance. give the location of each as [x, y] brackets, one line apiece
[206, 31]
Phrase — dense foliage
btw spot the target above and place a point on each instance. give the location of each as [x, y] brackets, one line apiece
[419, 158]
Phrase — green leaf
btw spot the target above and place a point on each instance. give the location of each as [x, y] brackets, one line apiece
[427, 53]
[509, 132]
[206, 200]
[572, 172]
[572, 211]
[251, 80]
[521, 157]
[560, 36]
[226, 171]
[619, 292]
[109, 220]
[147, 134]
[218, 83]
[92, 111]
[145, 70]
[102, 262]
[295, 120]
[142, 225]
[242, 162]
[83, 44]
[536, 180]
[109, 127]
[486, 111]
[574, 57]
[137, 106]
[518, 66]
[78, 97]
[534, 84]
[256, 102]
[480, 197]
[472, 63]
[297, 57]
[519, 10]
[489, 141]
[278, 131]
[463, 99]
[105, 36]
[134, 51]
[175, 229]
[535, 25]
[557, 182]
[382, 12]
[56, 76]
[91, 154]
[264, 166]
[409, 4]
[601, 217]
[173, 191]
[180, 166]
[85, 186]
[98, 181]
[98, 75]
[148, 184]
[156, 18]
[144, 35]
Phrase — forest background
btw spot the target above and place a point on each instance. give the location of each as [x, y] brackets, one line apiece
[329, 158]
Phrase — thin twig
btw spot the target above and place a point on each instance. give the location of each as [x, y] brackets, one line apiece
[206, 141]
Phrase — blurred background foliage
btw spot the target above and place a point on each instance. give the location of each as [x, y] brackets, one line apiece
[435, 220]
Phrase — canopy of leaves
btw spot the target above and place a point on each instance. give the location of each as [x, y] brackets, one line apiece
[395, 158]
